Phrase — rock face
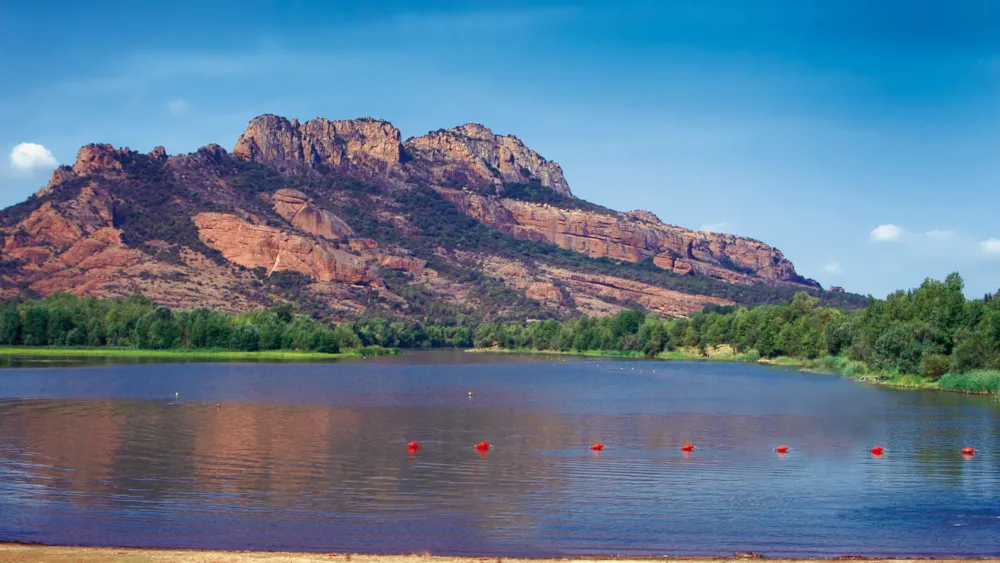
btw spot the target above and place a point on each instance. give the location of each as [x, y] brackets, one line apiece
[296, 208]
[98, 158]
[473, 155]
[260, 246]
[470, 155]
[368, 146]
[632, 237]
[594, 294]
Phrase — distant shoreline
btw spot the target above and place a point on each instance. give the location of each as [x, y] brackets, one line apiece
[25, 553]
[220, 355]
[895, 381]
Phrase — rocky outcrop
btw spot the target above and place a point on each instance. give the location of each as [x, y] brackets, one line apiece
[102, 159]
[591, 293]
[632, 237]
[99, 158]
[472, 155]
[403, 263]
[260, 246]
[657, 299]
[369, 146]
[296, 208]
[545, 292]
[54, 226]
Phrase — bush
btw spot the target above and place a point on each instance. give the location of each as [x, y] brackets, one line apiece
[748, 356]
[855, 369]
[934, 365]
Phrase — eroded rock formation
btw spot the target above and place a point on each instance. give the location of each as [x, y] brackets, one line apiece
[632, 237]
[261, 246]
[472, 155]
[370, 146]
[296, 208]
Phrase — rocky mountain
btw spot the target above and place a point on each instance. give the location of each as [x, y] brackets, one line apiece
[345, 219]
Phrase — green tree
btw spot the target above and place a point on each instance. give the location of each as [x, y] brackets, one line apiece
[244, 337]
[10, 325]
[36, 326]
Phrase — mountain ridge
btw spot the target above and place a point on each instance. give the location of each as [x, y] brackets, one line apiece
[331, 215]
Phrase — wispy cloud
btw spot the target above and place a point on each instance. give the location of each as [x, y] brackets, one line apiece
[719, 227]
[178, 107]
[832, 267]
[991, 246]
[886, 233]
[938, 234]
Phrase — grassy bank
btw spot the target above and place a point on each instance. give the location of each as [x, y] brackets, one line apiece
[981, 382]
[199, 354]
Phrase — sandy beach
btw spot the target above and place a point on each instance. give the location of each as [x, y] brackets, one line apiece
[20, 553]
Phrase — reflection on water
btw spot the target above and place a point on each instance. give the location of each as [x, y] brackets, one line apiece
[313, 457]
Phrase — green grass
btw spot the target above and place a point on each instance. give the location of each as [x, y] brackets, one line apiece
[220, 355]
[979, 381]
[681, 355]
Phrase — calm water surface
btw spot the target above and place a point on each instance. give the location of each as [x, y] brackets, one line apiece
[312, 457]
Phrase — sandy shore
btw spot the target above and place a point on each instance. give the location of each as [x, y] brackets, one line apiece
[18, 553]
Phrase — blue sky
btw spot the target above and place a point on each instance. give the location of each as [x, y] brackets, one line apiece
[859, 137]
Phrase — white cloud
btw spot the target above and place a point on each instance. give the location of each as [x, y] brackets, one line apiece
[991, 245]
[30, 157]
[714, 227]
[883, 233]
[178, 107]
[832, 268]
[938, 234]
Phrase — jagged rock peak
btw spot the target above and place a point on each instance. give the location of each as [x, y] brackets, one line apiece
[99, 158]
[158, 153]
[472, 153]
[94, 158]
[367, 144]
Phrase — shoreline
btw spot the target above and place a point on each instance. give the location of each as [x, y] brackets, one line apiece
[221, 355]
[726, 355]
[12, 552]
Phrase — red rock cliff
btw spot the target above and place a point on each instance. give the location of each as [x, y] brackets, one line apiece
[632, 237]
[473, 155]
[364, 145]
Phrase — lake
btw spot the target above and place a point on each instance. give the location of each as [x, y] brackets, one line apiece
[313, 457]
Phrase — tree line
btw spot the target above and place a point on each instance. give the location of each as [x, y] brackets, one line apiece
[928, 331]
[63, 319]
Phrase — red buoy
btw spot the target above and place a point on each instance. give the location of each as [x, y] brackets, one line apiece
[968, 450]
[687, 448]
[482, 447]
[878, 450]
[413, 446]
[781, 449]
[597, 447]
